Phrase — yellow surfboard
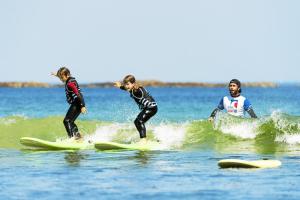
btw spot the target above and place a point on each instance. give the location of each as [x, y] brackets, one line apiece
[60, 145]
[236, 163]
[118, 146]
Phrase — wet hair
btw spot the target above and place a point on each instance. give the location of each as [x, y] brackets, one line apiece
[63, 71]
[238, 83]
[131, 79]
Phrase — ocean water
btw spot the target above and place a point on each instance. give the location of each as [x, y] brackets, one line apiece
[186, 168]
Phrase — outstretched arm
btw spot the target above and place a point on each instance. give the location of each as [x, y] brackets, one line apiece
[54, 74]
[119, 85]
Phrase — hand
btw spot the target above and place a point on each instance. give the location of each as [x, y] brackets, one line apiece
[54, 74]
[83, 110]
[210, 119]
[118, 84]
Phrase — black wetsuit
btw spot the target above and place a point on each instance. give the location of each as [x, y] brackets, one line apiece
[76, 101]
[148, 106]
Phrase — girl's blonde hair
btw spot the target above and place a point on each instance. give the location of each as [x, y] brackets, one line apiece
[63, 71]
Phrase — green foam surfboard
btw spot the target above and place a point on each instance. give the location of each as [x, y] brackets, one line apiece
[60, 145]
[236, 163]
[118, 146]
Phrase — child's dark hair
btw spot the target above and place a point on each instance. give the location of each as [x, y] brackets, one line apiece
[131, 79]
[63, 71]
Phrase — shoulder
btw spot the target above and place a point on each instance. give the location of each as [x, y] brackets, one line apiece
[72, 79]
[242, 98]
[247, 103]
[72, 82]
[144, 89]
[225, 98]
[221, 103]
[138, 91]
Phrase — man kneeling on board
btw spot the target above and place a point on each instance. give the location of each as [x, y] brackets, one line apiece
[236, 104]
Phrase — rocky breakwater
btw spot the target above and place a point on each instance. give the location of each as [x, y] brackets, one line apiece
[24, 84]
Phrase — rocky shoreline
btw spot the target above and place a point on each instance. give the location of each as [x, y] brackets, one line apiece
[24, 84]
[147, 83]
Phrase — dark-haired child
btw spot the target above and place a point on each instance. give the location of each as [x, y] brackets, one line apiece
[144, 100]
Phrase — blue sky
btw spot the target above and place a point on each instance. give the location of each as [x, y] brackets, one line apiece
[168, 40]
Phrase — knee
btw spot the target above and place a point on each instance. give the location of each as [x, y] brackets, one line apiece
[66, 121]
[156, 110]
[138, 122]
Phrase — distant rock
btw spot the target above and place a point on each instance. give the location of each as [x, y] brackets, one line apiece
[153, 83]
[24, 84]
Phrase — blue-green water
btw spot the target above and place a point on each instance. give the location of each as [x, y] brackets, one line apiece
[186, 169]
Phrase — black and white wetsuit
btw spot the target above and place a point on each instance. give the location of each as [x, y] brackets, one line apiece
[147, 105]
[76, 101]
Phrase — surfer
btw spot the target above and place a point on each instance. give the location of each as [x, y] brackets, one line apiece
[74, 98]
[144, 100]
[236, 104]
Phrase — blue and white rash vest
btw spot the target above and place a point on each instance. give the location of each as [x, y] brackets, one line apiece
[235, 106]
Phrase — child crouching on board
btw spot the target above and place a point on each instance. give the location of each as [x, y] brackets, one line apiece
[144, 100]
[74, 98]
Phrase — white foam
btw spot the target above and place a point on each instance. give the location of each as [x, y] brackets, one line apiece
[242, 129]
[104, 133]
[245, 130]
[7, 121]
[170, 136]
[289, 129]
[20, 115]
[12, 119]
[289, 139]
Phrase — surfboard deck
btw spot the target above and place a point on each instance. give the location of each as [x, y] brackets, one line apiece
[236, 163]
[119, 146]
[48, 145]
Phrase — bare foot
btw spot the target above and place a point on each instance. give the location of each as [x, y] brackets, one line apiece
[143, 141]
[78, 137]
